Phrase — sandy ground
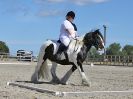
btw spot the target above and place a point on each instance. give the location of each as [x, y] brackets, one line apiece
[103, 78]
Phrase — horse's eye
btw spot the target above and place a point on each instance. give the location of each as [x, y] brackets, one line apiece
[97, 37]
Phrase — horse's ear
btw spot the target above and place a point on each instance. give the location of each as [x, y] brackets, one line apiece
[97, 30]
[95, 33]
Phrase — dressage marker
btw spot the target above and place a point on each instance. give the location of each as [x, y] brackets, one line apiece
[59, 93]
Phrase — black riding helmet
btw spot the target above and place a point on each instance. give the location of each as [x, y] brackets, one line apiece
[71, 13]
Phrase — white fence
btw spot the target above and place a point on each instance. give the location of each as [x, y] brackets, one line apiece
[7, 57]
[112, 60]
[4, 56]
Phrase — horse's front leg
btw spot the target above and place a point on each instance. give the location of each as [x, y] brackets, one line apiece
[68, 74]
[55, 79]
[85, 80]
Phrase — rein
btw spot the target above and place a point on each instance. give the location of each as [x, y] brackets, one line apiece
[75, 49]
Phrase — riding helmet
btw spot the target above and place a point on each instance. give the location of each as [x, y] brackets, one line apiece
[71, 13]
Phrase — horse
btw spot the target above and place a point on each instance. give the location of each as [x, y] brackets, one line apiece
[75, 55]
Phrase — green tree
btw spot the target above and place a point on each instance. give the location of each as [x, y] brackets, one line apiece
[3, 47]
[93, 53]
[113, 49]
[127, 50]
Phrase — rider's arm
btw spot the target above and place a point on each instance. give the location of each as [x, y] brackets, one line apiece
[72, 33]
[70, 29]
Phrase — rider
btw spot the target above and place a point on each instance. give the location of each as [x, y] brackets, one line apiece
[68, 31]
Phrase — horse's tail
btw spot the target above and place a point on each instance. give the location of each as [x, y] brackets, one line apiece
[42, 69]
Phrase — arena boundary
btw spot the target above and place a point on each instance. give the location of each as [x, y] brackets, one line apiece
[59, 93]
[14, 63]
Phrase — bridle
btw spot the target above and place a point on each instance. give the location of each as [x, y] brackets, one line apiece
[99, 43]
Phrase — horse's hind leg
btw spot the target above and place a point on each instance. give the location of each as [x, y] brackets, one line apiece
[55, 79]
[35, 76]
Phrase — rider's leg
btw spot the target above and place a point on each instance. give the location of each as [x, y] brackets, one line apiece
[61, 48]
[64, 44]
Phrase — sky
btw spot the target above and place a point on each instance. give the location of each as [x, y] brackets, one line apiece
[27, 24]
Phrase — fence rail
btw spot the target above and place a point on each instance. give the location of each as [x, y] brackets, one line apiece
[112, 60]
[104, 60]
[7, 57]
[4, 56]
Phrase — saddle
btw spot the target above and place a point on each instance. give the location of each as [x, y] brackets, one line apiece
[61, 51]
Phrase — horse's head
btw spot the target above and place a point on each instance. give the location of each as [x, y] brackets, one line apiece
[94, 38]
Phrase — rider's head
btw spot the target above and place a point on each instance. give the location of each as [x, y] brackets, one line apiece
[70, 16]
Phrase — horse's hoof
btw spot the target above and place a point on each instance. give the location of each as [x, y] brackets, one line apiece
[57, 81]
[34, 78]
[35, 81]
[86, 83]
[64, 83]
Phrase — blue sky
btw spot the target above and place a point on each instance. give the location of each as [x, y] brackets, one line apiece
[26, 24]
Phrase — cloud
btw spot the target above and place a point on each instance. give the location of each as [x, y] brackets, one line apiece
[47, 7]
[13, 7]
[76, 2]
[47, 1]
[45, 13]
[41, 7]
[55, 1]
[85, 2]
[99, 1]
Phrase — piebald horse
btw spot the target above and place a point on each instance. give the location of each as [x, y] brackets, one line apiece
[75, 55]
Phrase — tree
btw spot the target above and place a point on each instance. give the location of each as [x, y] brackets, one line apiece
[127, 50]
[113, 49]
[3, 47]
[93, 53]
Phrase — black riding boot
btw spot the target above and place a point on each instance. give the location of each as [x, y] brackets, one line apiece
[62, 48]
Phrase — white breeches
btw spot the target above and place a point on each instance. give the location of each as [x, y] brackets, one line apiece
[65, 41]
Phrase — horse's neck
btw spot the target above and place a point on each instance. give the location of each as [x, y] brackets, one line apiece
[88, 48]
[75, 45]
[80, 38]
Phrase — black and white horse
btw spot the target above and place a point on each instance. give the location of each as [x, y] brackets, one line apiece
[75, 56]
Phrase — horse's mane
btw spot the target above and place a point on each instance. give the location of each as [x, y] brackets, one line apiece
[76, 43]
[96, 31]
[80, 38]
[99, 33]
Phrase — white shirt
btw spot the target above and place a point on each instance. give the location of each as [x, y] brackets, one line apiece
[66, 25]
